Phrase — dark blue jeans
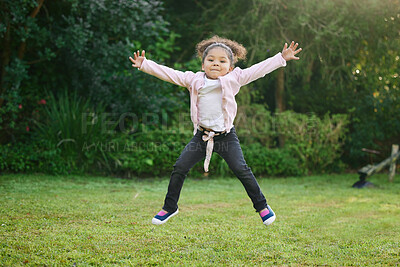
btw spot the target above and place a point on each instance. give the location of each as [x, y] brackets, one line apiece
[228, 147]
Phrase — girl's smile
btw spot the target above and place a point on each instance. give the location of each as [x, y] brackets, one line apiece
[216, 63]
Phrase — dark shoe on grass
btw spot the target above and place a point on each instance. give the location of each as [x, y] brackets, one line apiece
[163, 217]
[267, 216]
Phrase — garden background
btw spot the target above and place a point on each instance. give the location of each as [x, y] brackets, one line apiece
[73, 110]
[70, 102]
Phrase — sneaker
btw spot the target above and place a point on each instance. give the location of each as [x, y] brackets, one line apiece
[268, 216]
[163, 217]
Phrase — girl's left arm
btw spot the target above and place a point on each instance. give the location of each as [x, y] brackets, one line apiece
[261, 69]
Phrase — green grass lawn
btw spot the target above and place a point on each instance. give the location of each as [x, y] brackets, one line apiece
[321, 220]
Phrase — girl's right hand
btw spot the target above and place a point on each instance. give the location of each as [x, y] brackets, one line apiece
[137, 59]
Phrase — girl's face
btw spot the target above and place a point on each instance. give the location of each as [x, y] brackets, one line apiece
[216, 63]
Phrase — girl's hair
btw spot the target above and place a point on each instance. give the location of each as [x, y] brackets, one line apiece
[234, 50]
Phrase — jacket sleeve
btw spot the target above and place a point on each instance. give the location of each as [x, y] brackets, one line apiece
[261, 69]
[166, 73]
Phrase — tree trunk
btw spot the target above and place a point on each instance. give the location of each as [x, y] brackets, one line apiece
[309, 71]
[280, 100]
[280, 91]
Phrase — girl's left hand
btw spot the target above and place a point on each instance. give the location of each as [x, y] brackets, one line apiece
[289, 53]
[138, 59]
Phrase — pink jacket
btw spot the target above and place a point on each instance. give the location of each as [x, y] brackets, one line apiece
[230, 83]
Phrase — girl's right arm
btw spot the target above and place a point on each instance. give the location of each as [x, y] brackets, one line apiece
[162, 72]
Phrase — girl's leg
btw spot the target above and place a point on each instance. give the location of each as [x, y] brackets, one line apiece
[194, 151]
[229, 149]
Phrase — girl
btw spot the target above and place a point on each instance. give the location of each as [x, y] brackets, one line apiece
[213, 109]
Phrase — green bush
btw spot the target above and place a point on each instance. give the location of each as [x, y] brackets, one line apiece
[69, 137]
[72, 125]
[75, 136]
[155, 152]
[316, 142]
[39, 157]
[263, 161]
[312, 145]
[255, 124]
[272, 162]
[150, 152]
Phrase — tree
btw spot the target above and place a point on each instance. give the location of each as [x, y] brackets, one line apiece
[83, 47]
[349, 62]
[376, 93]
[18, 26]
[330, 33]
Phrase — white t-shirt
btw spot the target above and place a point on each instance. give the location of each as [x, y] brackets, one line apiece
[210, 105]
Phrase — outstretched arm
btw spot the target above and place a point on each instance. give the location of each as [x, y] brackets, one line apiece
[162, 72]
[264, 67]
[289, 53]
